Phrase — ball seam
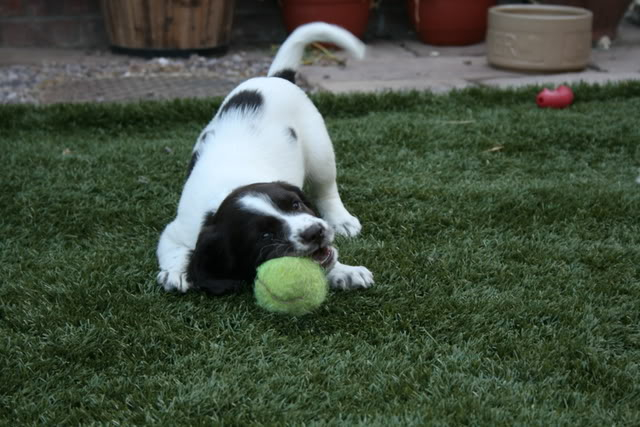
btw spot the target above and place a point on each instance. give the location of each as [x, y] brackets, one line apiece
[277, 298]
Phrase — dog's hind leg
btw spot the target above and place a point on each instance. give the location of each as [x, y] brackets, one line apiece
[172, 257]
[320, 179]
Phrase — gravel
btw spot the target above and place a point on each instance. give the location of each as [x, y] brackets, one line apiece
[25, 83]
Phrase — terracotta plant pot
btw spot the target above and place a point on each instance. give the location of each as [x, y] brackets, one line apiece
[352, 15]
[606, 14]
[450, 22]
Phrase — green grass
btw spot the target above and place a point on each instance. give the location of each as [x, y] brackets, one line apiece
[507, 281]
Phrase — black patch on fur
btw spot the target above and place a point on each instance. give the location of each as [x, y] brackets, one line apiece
[293, 134]
[196, 154]
[287, 74]
[233, 241]
[247, 101]
[192, 163]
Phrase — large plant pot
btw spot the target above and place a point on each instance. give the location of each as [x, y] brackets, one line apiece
[539, 37]
[352, 15]
[450, 22]
[168, 27]
[606, 14]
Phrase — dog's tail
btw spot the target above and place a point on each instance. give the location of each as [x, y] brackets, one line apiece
[289, 55]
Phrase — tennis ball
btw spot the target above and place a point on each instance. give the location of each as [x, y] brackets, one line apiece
[290, 285]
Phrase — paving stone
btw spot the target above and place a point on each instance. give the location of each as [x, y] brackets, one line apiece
[413, 73]
[385, 49]
[441, 68]
[621, 59]
[436, 86]
[424, 50]
[557, 79]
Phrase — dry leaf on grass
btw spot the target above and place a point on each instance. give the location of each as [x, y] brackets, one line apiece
[495, 149]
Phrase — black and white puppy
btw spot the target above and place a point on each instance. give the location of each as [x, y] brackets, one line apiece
[242, 203]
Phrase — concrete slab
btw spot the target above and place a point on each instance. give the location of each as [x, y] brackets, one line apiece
[383, 73]
[410, 64]
[384, 49]
[425, 50]
[434, 85]
[621, 59]
[557, 79]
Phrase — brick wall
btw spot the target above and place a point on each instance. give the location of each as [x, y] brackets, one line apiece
[78, 23]
[51, 23]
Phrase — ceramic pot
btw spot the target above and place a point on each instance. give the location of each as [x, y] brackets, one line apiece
[352, 15]
[450, 22]
[539, 37]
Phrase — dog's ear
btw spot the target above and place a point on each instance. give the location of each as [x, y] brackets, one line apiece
[300, 194]
[211, 263]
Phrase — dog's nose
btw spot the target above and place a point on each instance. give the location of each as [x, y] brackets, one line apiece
[313, 234]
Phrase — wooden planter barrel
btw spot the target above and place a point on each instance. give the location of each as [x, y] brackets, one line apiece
[168, 26]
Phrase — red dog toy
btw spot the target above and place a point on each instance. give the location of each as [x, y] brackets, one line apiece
[558, 98]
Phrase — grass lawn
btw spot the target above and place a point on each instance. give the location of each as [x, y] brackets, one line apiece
[504, 238]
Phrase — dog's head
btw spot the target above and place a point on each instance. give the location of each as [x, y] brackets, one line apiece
[254, 224]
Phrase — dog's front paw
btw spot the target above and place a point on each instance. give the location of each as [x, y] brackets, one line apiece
[348, 277]
[345, 224]
[173, 281]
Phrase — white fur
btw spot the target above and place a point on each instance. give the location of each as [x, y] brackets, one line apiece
[239, 149]
[349, 277]
[290, 54]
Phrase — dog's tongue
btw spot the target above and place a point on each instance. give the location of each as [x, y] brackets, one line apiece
[321, 255]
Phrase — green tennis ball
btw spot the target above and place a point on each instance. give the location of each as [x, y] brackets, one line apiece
[290, 285]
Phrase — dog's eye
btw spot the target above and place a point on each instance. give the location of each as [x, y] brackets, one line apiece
[296, 205]
[267, 236]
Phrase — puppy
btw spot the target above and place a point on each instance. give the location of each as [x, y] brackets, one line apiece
[242, 203]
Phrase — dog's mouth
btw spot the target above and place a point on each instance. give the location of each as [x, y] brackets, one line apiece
[323, 256]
